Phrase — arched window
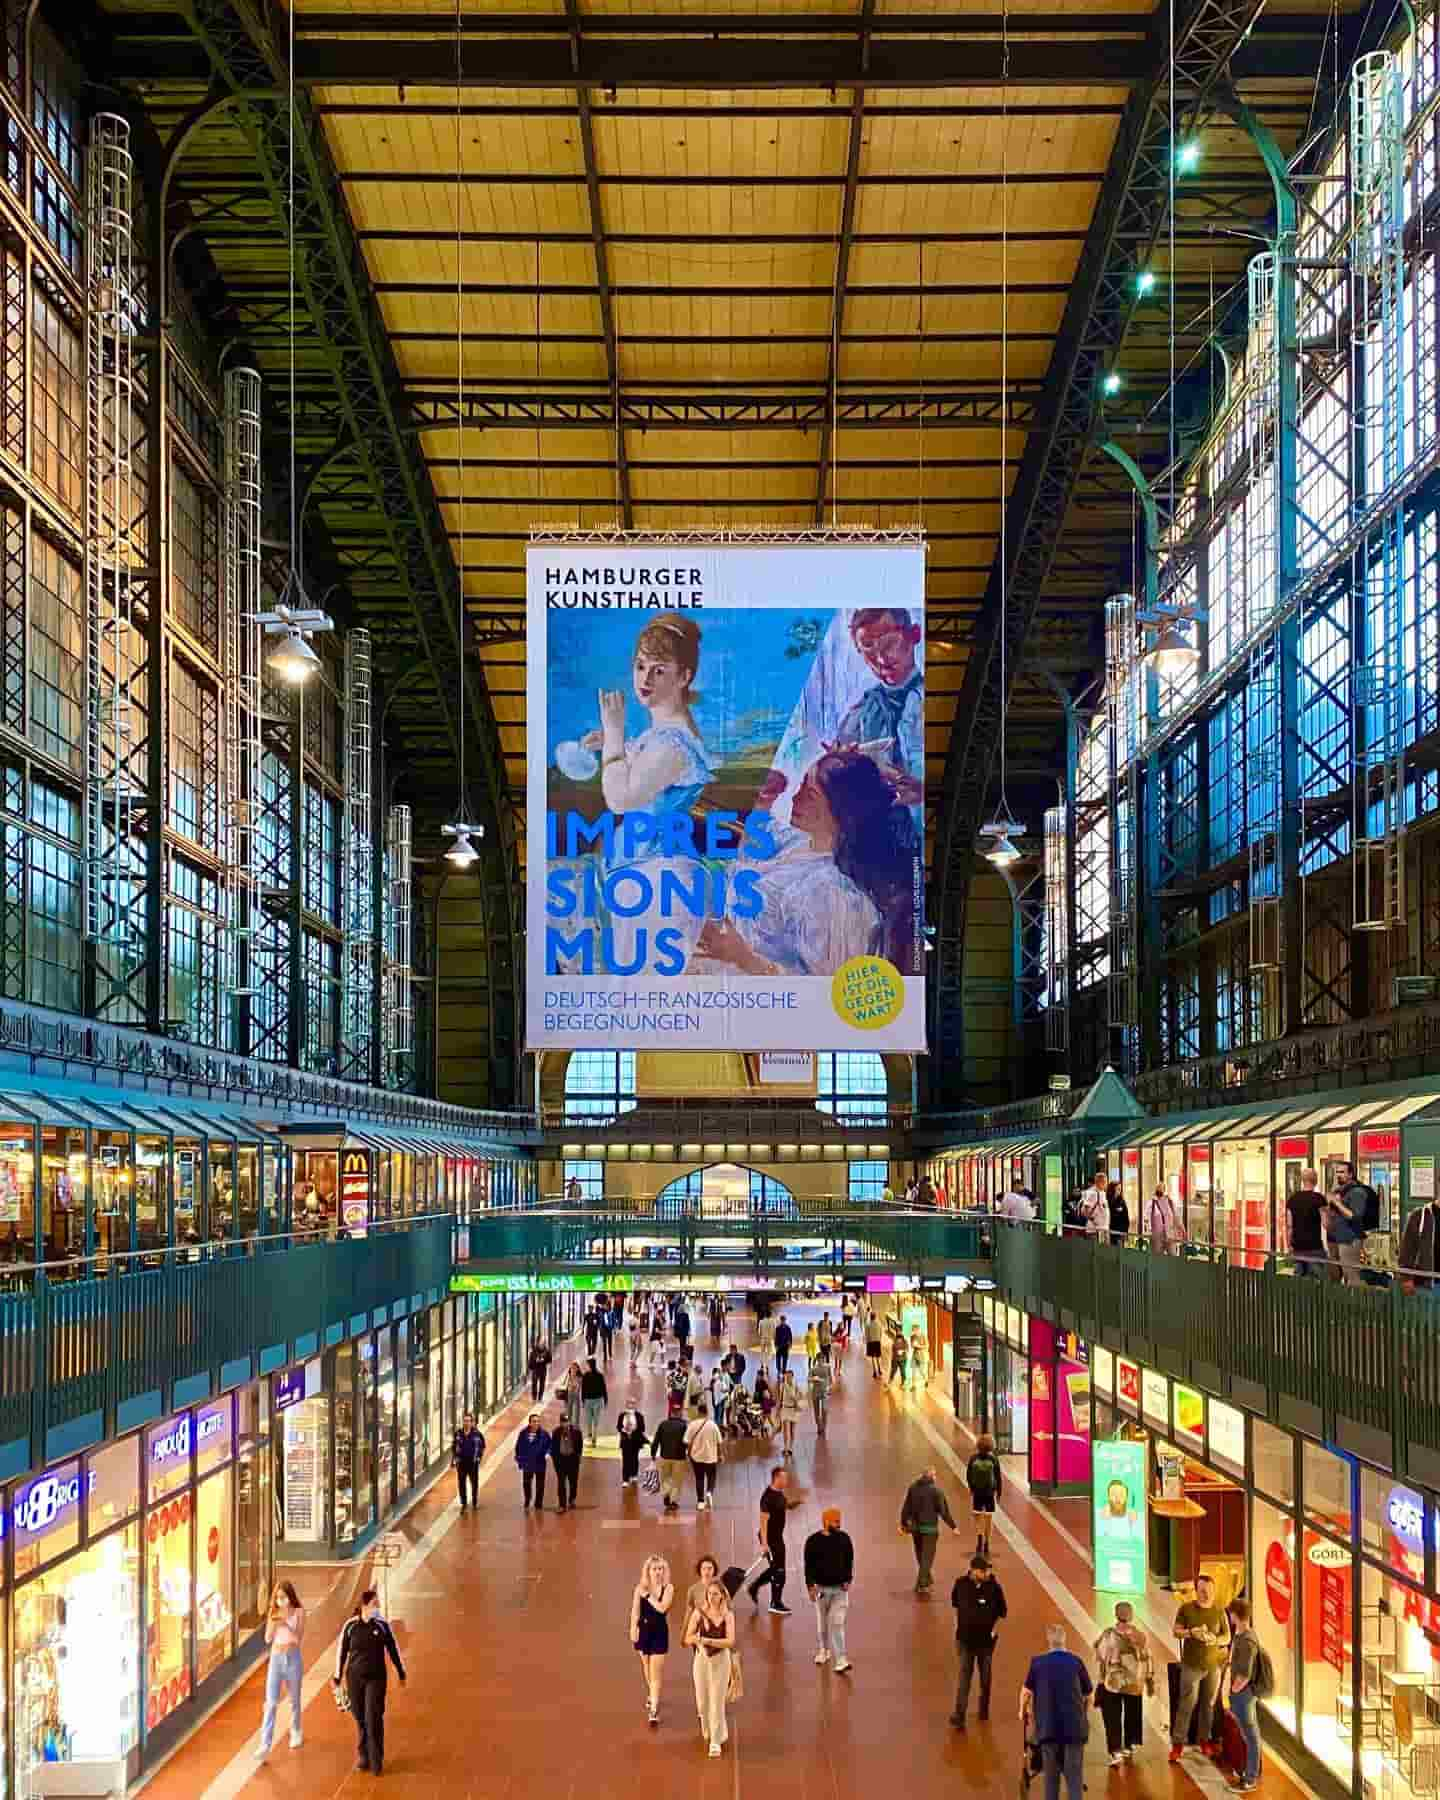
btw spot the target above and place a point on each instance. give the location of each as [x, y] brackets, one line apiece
[852, 1084]
[599, 1086]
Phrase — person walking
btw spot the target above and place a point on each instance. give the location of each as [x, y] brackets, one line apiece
[920, 1516]
[694, 1392]
[919, 1363]
[538, 1365]
[593, 1396]
[682, 1329]
[812, 1343]
[1055, 1715]
[607, 1329]
[657, 1340]
[979, 1603]
[532, 1451]
[789, 1408]
[1124, 1672]
[1094, 1208]
[574, 1193]
[710, 1633]
[765, 1400]
[734, 1364]
[829, 1571]
[703, 1444]
[630, 1429]
[650, 1604]
[1419, 1253]
[1350, 1219]
[466, 1449]
[819, 1385]
[774, 1510]
[784, 1338]
[566, 1448]
[825, 1334]
[637, 1336]
[874, 1340]
[592, 1330]
[285, 1634]
[668, 1450]
[572, 1394]
[764, 1341]
[706, 1571]
[1305, 1210]
[1204, 1634]
[899, 1354]
[984, 1480]
[1248, 1668]
[721, 1388]
[365, 1643]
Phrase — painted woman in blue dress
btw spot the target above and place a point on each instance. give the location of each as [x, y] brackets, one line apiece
[664, 769]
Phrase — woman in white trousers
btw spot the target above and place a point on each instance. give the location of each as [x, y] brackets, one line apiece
[710, 1632]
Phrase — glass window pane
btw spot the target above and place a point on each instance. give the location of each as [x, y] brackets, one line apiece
[214, 1544]
[1273, 1453]
[169, 1591]
[252, 1531]
[1326, 1489]
[167, 1455]
[1275, 1612]
[114, 1484]
[214, 1434]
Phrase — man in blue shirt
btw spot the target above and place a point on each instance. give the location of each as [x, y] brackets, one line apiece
[1054, 1710]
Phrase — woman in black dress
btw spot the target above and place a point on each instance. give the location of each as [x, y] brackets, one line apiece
[650, 1629]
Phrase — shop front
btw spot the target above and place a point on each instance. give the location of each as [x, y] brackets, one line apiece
[1338, 1559]
[975, 1176]
[137, 1576]
[356, 1180]
[1230, 1173]
[360, 1427]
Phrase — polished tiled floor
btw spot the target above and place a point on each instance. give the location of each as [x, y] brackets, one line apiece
[514, 1628]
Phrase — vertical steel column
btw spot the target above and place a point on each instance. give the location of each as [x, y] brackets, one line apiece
[117, 926]
[358, 989]
[399, 1016]
[1120, 682]
[241, 655]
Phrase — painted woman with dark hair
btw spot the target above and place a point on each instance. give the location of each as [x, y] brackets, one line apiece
[875, 846]
[825, 897]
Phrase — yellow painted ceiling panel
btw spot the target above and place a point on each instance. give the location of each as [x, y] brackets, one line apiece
[901, 362]
[558, 362]
[426, 206]
[711, 144]
[928, 211]
[719, 265]
[642, 317]
[734, 486]
[742, 363]
[564, 314]
[501, 443]
[411, 260]
[424, 142]
[731, 210]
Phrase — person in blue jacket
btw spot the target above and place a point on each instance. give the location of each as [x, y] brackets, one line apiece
[532, 1449]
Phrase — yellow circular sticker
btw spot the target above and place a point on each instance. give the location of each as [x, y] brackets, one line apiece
[867, 992]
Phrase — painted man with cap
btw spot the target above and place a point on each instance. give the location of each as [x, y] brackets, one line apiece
[829, 1570]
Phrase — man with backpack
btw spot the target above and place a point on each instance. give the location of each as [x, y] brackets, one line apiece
[1252, 1678]
[1354, 1212]
[982, 1477]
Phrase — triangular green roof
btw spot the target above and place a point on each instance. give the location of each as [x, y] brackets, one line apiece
[1109, 1098]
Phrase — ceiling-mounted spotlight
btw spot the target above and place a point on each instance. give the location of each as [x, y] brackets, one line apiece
[293, 658]
[1145, 282]
[1187, 157]
[462, 853]
[1111, 384]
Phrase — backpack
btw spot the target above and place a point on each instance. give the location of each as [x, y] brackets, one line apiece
[981, 1476]
[1122, 1670]
[1369, 1219]
[1262, 1674]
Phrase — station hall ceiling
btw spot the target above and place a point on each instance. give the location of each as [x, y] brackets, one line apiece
[724, 269]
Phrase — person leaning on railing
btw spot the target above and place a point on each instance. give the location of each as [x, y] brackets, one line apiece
[1420, 1251]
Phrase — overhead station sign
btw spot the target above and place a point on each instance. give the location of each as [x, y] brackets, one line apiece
[728, 751]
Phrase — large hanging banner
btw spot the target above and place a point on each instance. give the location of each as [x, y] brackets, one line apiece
[727, 749]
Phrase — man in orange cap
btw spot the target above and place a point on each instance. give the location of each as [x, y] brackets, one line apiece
[829, 1570]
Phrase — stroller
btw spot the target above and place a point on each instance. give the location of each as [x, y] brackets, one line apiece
[743, 1414]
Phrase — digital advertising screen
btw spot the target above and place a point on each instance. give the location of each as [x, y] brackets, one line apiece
[1119, 1504]
[726, 796]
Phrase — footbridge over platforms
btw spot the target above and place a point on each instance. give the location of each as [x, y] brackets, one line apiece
[650, 1241]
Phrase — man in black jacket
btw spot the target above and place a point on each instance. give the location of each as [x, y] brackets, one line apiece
[593, 1395]
[667, 1447]
[979, 1603]
[364, 1644]
[465, 1453]
[925, 1506]
[538, 1364]
[566, 1447]
[829, 1570]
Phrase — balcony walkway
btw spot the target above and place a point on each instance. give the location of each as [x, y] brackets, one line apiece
[514, 1629]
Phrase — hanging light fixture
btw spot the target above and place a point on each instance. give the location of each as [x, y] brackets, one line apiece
[1001, 832]
[293, 658]
[462, 853]
[1172, 653]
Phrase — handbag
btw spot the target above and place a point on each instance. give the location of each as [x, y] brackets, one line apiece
[736, 1688]
[650, 1480]
[341, 1696]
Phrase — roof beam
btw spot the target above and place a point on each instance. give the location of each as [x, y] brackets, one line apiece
[573, 19]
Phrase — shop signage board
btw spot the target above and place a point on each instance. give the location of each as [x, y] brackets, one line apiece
[1118, 1495]
[700, 716]
[1127, 1385]
[355, 1191]
[1377, 1143]
[472, 1281]
[1422, 1177]
[1102, 1368]
[1227, 1437]
[1292, 1149]
[1279, 1583]
[1155, 1392]
[787, 1068]
[1190, 1416]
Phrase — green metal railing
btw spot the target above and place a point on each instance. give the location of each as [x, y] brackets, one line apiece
[84, 1357]
[610, 1237]
[1358, 1367]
